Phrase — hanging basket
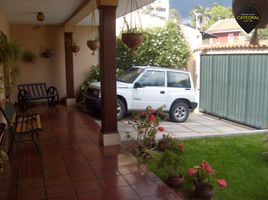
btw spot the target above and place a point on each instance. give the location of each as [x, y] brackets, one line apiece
[47, 53]
[75, 48]
[93, 45]
[132, 40]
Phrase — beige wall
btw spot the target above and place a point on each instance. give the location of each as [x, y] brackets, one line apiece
[84, 59]
[4, 26]
[52, 70]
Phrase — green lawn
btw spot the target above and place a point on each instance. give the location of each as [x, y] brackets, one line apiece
[237, 159]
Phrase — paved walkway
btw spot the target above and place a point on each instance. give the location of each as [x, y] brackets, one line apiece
[197, 125]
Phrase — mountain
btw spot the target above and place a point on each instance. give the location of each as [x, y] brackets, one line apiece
[184, 7]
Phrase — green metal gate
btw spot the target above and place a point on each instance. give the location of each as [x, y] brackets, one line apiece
[235, 87]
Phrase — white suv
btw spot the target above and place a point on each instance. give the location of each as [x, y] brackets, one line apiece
[141, 87]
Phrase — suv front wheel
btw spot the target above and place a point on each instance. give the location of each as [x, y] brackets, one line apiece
[121, 109]
[179, 111]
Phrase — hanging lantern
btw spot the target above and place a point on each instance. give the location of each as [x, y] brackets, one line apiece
[93, 42]
[133, 35]
[40, 16]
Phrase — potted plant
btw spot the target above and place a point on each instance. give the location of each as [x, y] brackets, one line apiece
[202, 177]
[133, 37]
[169, 163]
[10, 55]
[165, 142]
[29, 56]
[3, 158]
[93, 44]
[47, 53]
[75, 48]
[147, 125]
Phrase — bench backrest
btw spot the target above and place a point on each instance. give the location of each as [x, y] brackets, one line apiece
[35, 90]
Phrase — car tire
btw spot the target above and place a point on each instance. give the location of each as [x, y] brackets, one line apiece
[179, 111]
[121, 109]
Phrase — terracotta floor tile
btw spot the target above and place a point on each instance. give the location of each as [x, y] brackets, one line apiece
[74, 167]
[57, 179]
[87, 186]
[99, 195]
[32, 194]
[136, 179]
[54, 170]
[123, 193]
[82, 175]
[151, 189]
[71, 197]
[8, 195]
[30, 183]
[113, 182]
[106, 172]
[60, 190]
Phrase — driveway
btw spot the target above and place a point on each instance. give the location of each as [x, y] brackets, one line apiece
[197, 125]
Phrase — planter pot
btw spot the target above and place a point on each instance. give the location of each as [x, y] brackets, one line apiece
[93, 45]
[47, 54]
[175, 181]
[133, 40]
[75, 48]
[164, 144]
[204, 191]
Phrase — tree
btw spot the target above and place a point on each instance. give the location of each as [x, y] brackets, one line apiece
[200, 17]
[175, 16]
[163, 46]
[218, 12]
[208, 16]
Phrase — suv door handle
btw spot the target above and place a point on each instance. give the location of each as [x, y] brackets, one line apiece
[187, 88]
[162, 92]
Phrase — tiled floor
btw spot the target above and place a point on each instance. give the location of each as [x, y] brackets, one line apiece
[74, 167]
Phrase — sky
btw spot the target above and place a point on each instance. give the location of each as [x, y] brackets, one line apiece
[185, 6]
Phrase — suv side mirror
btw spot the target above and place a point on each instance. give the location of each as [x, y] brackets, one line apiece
[137, 85]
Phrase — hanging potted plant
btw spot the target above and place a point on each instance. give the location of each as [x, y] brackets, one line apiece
[47, 53]
[29, 57]
[75, 48]
[133, 35]
[93, 42]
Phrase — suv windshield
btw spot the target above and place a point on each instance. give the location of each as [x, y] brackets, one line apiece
[130, 75]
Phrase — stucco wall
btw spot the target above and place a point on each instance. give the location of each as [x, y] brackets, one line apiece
[4, 26]
[84, 59]
[52, 70]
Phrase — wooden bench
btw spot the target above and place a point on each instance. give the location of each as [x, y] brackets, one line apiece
[36, 91]
[21, 126]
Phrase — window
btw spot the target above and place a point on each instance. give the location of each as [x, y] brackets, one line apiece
[230, 38]
[131, 75]
[180, 80]
[153, 78]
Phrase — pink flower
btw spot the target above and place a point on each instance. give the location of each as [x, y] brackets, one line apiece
[222, 183]
[142, 114]
[151, 118]
[191, 171]
[161, 128]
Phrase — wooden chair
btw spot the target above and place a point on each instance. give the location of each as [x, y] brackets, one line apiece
[20, 126]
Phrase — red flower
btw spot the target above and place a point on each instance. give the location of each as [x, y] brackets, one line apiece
[151, 118]
[181, 146]
[191, 171]
[222, 183]
[142, 114]
[161, 128]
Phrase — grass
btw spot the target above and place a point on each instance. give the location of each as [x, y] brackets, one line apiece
[237, 159]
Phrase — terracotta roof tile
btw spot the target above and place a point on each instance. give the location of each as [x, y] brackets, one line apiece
[231, 46]
[224, 25]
